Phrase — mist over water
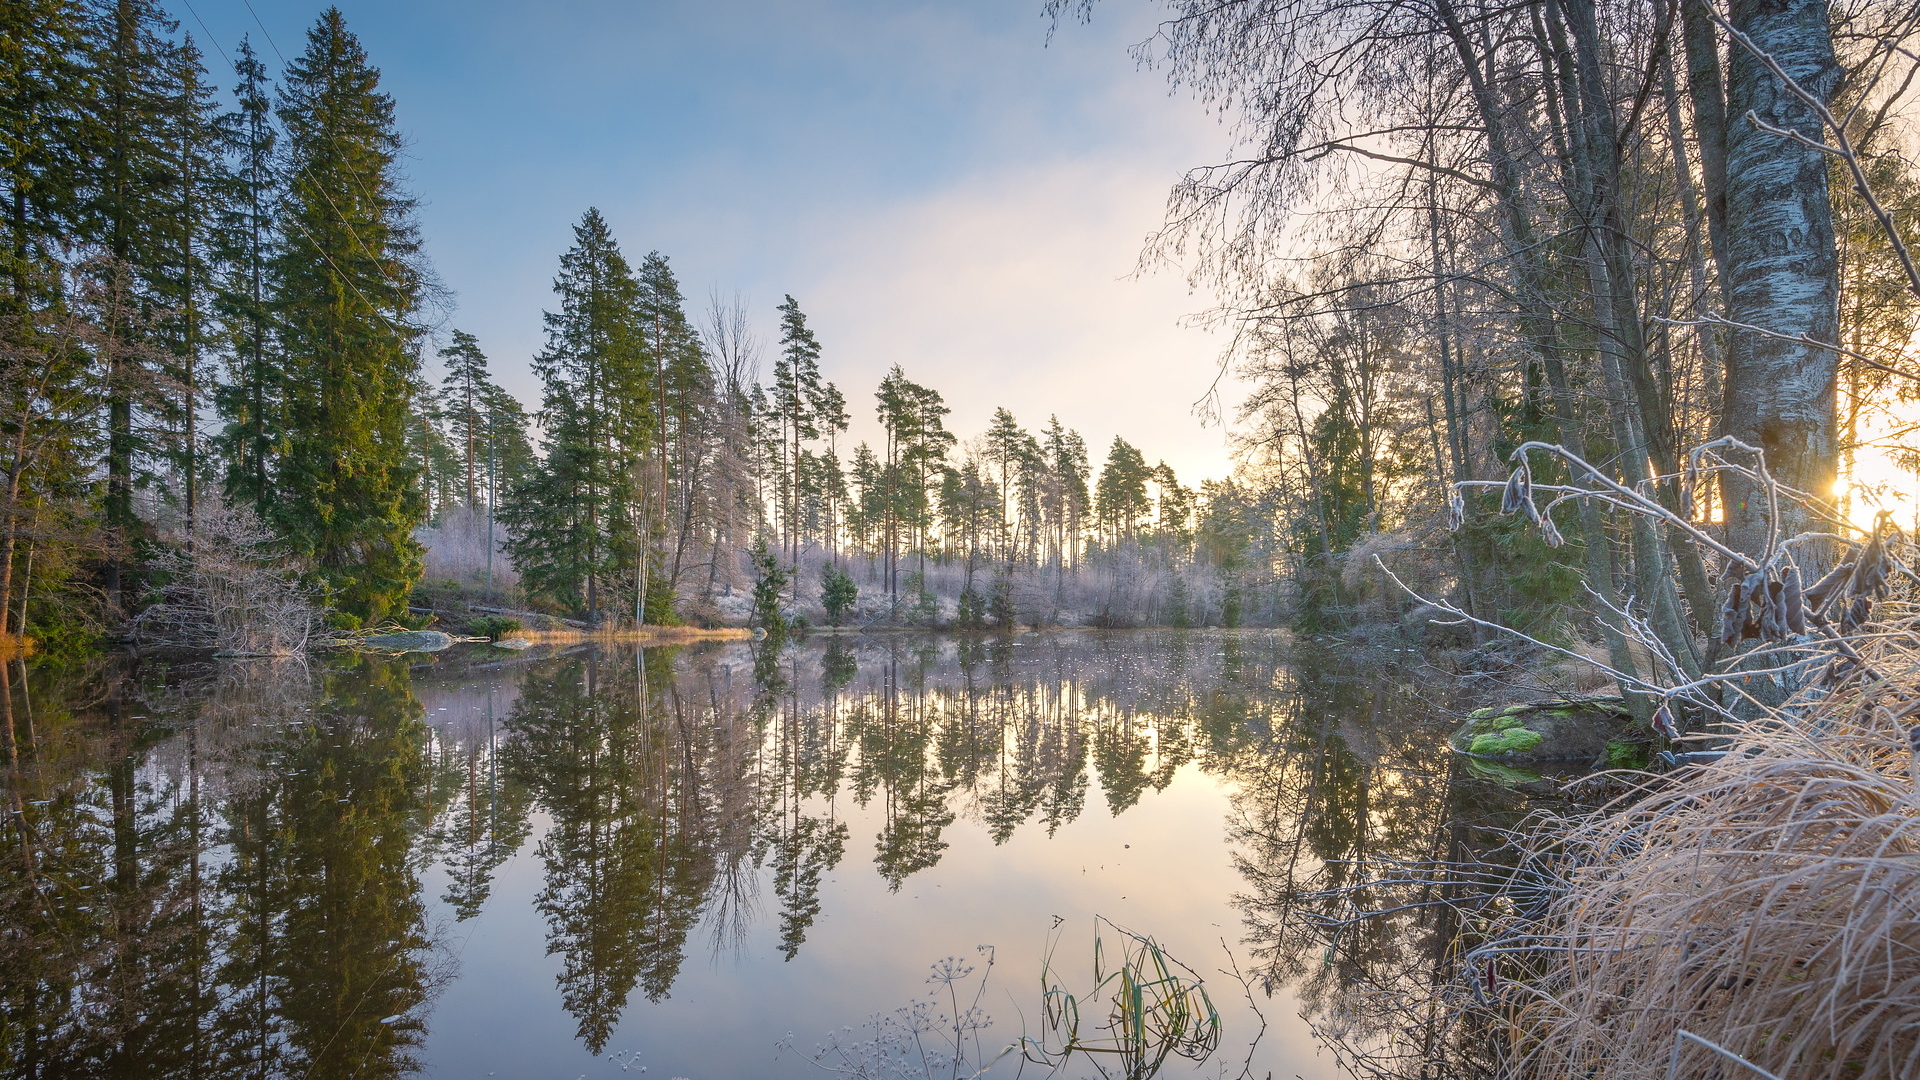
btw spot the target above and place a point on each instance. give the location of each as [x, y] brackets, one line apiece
[566, 865]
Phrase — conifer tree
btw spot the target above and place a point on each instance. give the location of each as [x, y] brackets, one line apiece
[466, 390]
[182, 279]
[1121, 496]
[1004, 440]
[1067, 460]
[249, 398]
[45, 96]
[345, 492]
[866, 516]
[572, 520]
[129, 182]
[917, 442]
[683, 393]
[508, 455]
[796, 388]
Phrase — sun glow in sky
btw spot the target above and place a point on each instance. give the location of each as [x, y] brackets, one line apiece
[939, 184]
[1880, 480]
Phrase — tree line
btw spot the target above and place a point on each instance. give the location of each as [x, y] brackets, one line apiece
[201, 297]
[666, 463]
[213, 294]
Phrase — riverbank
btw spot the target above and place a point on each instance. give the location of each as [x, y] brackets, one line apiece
[1754, 908]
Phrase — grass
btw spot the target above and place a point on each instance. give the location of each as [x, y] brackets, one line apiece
[645, 635]
[1769, 902]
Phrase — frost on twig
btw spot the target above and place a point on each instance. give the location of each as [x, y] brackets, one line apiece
[231, 592]
[937, 1036]
[1768, 600]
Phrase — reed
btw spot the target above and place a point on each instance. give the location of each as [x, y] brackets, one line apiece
[1756, 915]
[1144, 1007]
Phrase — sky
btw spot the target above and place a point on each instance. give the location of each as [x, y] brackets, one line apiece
[939, 185]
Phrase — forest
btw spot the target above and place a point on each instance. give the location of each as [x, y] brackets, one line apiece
[220, 326]
[1577, 340]
[1473, 230]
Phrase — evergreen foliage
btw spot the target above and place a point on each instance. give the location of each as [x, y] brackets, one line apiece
[838, 591]
[345, 493]
[769, 589]
[574, 516]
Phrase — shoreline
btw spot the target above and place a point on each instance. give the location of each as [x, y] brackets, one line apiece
[646, 635]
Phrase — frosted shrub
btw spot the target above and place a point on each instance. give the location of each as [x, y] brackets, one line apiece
[232, 592]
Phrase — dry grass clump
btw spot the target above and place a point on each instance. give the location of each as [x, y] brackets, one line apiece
[1769, 903]
[628, 635]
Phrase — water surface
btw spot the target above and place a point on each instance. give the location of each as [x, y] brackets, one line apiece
[571, 865]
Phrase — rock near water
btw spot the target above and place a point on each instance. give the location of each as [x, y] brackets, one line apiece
[1592, 732]
[409, 641]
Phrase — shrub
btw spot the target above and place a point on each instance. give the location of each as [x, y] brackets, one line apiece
[493, 627]
[233, 593]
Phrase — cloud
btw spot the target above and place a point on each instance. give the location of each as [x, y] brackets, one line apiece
[1016, 289]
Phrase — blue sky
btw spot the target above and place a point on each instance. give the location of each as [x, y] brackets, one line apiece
[938, 184]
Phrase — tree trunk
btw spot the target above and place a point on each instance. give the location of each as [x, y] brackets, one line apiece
[1782, 270]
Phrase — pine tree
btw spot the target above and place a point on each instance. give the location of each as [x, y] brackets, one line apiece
[1004, 440]
[796, 388]
[1067, 462]
[345, 493]
[1121, 496]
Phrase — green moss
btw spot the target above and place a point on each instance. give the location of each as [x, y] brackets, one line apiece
[1513, 739]
[1486, 725]
[1625, 755]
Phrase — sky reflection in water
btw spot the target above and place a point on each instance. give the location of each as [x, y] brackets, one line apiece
[562, 866]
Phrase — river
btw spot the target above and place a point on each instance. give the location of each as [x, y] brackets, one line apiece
[711, 861]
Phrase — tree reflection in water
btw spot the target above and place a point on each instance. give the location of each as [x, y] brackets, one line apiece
[215, 876]
[1355, 786]
[223, 871]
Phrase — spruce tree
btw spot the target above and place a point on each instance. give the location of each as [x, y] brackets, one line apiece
[249, 398]
[129, 186]
[46, 95]
[572, 520]
[508, 455]
[683, 396]
[345, 493]
[466, 390]
[182, 279]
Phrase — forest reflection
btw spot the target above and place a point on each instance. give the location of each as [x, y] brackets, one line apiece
[251, 870]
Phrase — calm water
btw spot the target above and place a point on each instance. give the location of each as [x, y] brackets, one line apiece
[572, 865]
